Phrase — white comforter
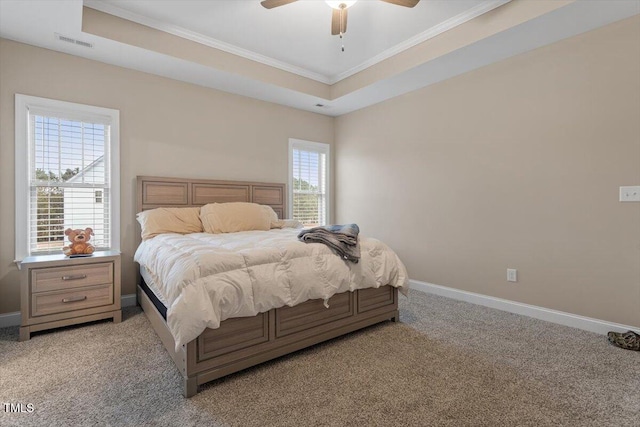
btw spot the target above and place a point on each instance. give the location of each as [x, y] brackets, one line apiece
[207, 278]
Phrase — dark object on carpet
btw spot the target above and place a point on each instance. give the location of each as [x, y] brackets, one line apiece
[628, 340]
[342, 239]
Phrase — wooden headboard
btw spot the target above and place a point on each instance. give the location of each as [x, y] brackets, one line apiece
[155, 192]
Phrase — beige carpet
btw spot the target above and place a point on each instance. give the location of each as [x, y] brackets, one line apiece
[448, 364]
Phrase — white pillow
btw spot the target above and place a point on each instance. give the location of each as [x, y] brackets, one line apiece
[286, 223]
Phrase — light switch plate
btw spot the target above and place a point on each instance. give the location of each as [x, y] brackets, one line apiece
[630, 193]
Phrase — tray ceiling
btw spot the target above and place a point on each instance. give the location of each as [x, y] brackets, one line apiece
[287, 55]
[297, 36]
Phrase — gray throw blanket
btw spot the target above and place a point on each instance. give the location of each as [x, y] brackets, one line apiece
[343, 239]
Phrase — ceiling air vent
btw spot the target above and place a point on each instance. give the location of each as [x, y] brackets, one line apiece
[73, 41]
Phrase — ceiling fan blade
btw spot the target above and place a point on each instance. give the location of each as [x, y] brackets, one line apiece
[405, 3]
[270, 4]
[335, 21]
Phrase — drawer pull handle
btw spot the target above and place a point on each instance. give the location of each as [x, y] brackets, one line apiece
[75, 277]
[74, 299]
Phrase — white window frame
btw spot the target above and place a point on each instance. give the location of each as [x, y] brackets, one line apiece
[23, 104]
[320, 147]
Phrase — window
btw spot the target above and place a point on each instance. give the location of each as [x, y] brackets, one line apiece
[67, 174]
[309, 182]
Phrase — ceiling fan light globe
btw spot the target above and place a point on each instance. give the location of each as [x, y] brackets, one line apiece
[336, 4]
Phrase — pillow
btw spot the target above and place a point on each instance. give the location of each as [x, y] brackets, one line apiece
[169, 220]
[291, 223]
[281, 223]
[235, 216]
[286, 223]
[273, 216]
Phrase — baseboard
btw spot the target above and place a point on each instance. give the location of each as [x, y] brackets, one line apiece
[128, 300]
[13, 319]
[10, 319]
[560, 317]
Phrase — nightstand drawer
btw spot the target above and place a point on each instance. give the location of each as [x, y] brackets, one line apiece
[50, 279]
[60, 301]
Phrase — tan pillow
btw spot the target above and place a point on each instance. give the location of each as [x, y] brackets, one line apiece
[273, 217]
[232, 217]
[169, 220]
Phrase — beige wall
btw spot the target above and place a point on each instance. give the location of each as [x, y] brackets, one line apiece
[516, 165]
[167, 128]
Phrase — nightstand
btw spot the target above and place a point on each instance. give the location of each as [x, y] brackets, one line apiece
[60, 291]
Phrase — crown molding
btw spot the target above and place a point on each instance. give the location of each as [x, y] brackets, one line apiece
[422, 37]
[207, 41]
[303, 72]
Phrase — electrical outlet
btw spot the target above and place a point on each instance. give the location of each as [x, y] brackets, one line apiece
[512, 275]
[630, 193]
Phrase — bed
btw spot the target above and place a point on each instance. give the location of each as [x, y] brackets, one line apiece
[240, 342]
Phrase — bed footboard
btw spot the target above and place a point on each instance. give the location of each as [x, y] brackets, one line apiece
[247, 341]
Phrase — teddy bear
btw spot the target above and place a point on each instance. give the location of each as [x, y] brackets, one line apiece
[79, 242]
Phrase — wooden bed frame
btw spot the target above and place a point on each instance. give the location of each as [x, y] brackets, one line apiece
[247, 341]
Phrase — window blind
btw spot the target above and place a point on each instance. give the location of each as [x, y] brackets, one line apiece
[309, 184]
[69, 182]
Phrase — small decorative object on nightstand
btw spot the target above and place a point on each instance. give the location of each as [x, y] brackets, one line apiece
[60, 291]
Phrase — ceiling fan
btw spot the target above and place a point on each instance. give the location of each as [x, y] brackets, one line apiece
[339, 17]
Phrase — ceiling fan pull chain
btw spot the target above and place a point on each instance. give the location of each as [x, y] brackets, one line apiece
[342, 7]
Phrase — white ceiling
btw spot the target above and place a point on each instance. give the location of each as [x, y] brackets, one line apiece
[298, 35]
[35, 22]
